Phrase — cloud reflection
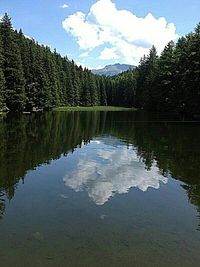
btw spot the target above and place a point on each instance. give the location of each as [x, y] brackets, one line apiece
[109, 170]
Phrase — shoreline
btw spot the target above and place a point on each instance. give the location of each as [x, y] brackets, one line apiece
[94, 108]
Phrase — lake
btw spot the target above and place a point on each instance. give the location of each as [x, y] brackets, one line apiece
[95, 189]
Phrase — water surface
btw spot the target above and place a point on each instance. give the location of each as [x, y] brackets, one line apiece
[99, 189]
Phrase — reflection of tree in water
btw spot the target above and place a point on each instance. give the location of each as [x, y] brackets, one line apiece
[2, 205]
[194, 195]
[175, 147]
[28, 141]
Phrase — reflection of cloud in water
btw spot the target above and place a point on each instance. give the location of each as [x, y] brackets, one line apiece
[111, 171]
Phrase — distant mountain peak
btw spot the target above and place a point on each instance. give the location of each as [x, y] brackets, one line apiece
[111, 70]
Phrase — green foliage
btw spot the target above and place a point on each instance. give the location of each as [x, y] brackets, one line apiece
[170, 82]
[13, 71]
[94, 108]
[2, 79]
[121, 90]
[32, 77]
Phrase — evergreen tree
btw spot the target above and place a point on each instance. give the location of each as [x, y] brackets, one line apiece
[165, 82]
[76, 85]
[93, 91]
[150, 81]
[2, 79]
[86, 98]
[13, 71]
[103, 96]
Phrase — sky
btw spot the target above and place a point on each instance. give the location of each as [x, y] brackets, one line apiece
[96, 33]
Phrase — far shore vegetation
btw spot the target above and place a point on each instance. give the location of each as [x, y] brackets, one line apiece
[94, 108]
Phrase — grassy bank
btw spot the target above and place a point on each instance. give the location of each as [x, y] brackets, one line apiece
[2, 113]
[95, 108]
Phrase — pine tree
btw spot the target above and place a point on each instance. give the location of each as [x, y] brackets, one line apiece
[165, 82]
[13, 71]
[150, 82]
[86, 97]
[2, 79]
[69, 86]
[103, 96]
[147, 72]
[76, 84]
[93, 91]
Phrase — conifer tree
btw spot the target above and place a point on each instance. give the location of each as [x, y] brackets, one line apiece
[2, 79]
[93, 91]
[164, 87]
[86, 97]
[13, 71]
[76, 85]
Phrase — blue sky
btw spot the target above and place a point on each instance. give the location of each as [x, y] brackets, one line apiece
[96, 33]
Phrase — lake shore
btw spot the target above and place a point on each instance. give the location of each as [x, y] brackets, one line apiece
[94, 108]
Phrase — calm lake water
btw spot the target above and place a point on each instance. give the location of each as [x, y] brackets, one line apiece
[111, 189]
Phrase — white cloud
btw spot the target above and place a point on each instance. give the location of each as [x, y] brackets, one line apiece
[86, 33]
[127, 35]
[111, 170]
[109, 53]
[65, 6]
[85, 54]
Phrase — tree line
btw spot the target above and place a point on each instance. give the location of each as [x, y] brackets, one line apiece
[169, 82]
[32, 77]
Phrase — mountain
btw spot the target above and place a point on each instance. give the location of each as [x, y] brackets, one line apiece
[111, 70]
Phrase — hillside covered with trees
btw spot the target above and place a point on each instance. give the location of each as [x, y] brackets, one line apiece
[169, 82]
[32, 77]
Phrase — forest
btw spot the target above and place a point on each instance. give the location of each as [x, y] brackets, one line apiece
[33, 78]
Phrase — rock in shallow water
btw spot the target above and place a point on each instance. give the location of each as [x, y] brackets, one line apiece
[38, 236]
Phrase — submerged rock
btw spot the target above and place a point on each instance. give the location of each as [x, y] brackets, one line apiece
[38, 236]
[103, 216]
